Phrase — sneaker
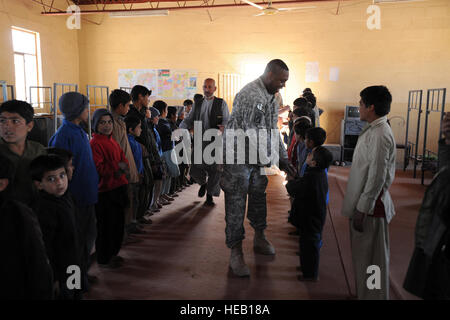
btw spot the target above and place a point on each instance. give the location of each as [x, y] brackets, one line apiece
[202, 191]
[167, 197]
[164, 202]
[173, 195]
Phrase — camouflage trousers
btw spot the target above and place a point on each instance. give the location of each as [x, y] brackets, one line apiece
[238, 181]
[209, 174]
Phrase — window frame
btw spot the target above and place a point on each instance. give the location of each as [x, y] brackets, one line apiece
[38, 104]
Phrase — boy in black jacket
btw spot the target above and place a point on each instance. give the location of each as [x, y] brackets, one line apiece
[310, 193]
[56, 212]
[26, 272]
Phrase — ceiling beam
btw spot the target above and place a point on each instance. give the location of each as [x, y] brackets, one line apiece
[203, 6]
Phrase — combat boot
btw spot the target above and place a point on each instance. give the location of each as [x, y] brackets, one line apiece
[237, 263]
[261, 245]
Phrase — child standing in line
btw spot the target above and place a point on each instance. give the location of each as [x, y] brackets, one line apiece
[120, 101]
[26, 272]
[301, 126]
[56, 212]
[310, 193]
[84, 184]
[112, 167]
[67, 157]
[133, 125]
[158, 174]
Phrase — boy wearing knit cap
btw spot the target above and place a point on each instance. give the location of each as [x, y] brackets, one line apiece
[84, 184]
[112, 167]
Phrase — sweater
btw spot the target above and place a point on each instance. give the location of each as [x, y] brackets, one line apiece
[22, 188]
[309, 193]
[107, 155]
[84, 183]
[146, 138]
[165, 133]
[137, 153]
[57, 218]
[120, 135]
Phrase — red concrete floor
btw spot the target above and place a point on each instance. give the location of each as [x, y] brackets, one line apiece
[183, 254]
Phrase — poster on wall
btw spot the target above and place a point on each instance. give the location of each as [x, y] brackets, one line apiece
[312, 72]
[334, 74]
[164, 83]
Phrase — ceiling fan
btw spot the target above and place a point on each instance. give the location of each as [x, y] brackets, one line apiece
[269, 10]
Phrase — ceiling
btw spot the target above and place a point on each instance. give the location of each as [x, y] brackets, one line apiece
[104, 6]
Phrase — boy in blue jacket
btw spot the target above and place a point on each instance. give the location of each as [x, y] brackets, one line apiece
[310, 193]
[84, 183]
[133, 125]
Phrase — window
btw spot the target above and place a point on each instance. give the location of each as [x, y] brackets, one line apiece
[26, 46]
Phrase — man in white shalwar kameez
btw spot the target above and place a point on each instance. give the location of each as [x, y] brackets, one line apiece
[367, 201]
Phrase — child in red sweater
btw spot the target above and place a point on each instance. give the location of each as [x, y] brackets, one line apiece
[112, 167]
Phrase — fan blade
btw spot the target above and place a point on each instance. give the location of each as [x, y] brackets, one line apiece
[253, 4]
[295, 8]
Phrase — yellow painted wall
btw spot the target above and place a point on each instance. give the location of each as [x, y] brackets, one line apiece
[59, 45]
[411, 51]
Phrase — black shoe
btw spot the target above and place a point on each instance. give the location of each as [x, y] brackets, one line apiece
[137, 231]
[145, 221]
[113, 264]
[294, 233]
[118, 260]
[92, 279]
[209, 200]
[202, 191]
[308, 279]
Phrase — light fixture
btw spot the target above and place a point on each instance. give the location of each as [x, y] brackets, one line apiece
[140, 13]
[394, 1]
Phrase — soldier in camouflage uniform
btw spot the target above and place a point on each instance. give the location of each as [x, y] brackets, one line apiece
[255, 107]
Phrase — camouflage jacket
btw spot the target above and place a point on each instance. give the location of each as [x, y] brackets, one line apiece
[254, 109]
